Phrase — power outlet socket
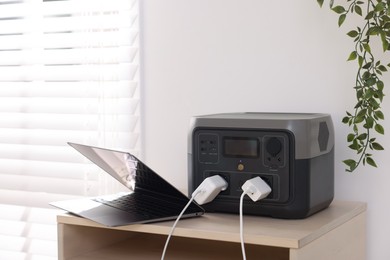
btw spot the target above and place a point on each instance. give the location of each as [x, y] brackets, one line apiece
[274, 151]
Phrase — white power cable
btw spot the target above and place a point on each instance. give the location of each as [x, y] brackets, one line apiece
[242, 226]
[207, 191]
[174, 226]
[256, 189]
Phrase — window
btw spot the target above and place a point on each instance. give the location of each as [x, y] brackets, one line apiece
[69, 71]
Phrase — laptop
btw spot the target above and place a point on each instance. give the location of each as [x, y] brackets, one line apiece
[150, 198]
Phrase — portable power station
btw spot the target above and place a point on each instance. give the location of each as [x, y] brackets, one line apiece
[292, 152]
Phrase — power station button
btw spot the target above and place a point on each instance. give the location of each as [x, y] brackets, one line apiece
[240, 167]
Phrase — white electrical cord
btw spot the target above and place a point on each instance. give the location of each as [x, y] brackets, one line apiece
[256, 189]
[174, 226]
[207, 191]
[242, 226]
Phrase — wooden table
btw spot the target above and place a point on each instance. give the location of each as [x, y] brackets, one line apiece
[337, 232]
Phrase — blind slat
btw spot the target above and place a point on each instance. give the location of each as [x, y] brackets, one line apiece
[104, 72]
[23, 9]
[39, 153]
[82, 6]
[48, 185]
[61, 137]
[23, 256]
[125, 19]
[16, 243]
[69, 105]
[69, 56]
[119, 37]
[42, 153]
[28, 215]
[18, 228]
[89, 122]
[62, 170]
[72, 89]
[32, 199]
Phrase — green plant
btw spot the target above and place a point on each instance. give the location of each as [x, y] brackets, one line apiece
[365, 119]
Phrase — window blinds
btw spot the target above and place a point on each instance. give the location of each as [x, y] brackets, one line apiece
[68, 72]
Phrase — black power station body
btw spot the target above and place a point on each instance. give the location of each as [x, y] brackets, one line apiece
[292, 152]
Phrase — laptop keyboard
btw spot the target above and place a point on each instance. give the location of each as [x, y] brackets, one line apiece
[143, 204]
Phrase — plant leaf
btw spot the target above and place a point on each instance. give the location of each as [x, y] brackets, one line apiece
[377, 146]
[375, 30]
[339, 9]
[385, 43]
[345, 120]
[380, 85]
[370, 82]
[320, 2]
[351, 164]
[358, 10]
[366, 75]
[371, 162]
[352, 56]
[367, 66]
[370, 15]
[362, 136]
[380, 115]
[379, 128]
[342, 19]
[380, 7]
[358, 104]
[382, 68]
[369, 123]
[355, 145]
[352, 33]
[358, 120]
[361, 113]
[373, 103]
[367, 48]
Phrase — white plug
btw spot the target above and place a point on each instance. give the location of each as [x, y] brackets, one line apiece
[209, 189]
[256, 188]
[206, 192]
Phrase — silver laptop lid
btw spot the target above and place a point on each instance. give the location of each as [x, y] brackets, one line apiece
[128, 170]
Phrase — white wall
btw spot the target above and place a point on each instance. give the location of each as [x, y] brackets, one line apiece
[211, 56]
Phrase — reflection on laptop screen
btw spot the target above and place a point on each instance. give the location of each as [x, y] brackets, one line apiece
[128, 170]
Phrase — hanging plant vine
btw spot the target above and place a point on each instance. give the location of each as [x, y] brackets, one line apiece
[364, 119]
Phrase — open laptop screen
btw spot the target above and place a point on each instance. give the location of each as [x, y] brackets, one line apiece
[128, 170]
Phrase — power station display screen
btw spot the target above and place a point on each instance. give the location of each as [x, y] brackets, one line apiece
[241, 147]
